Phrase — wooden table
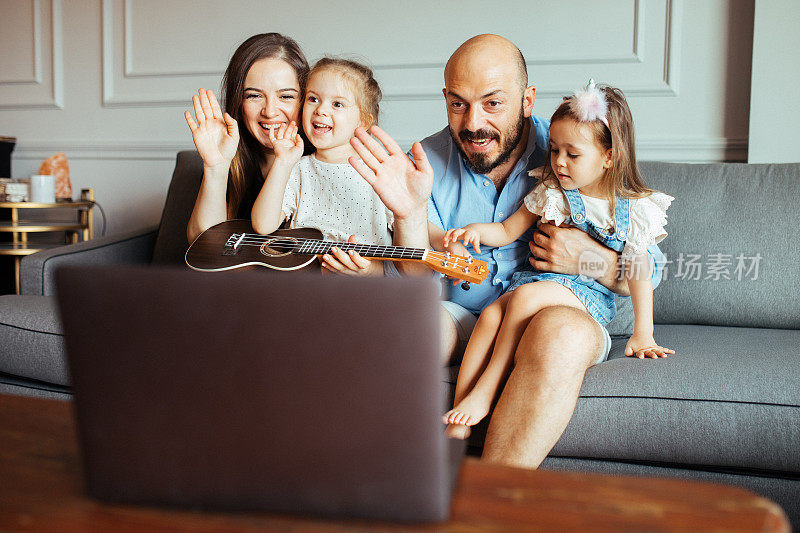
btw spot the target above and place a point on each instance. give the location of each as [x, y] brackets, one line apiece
[41, 490]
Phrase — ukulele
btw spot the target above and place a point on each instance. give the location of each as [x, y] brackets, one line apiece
[234, 244]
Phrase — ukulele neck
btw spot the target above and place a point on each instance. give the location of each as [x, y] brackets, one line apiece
[372, 251]
[319, 247]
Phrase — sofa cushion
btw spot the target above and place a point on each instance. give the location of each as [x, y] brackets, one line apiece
[33, 342]
[171, 243]
[723, 400]
[723, 212]
[623, 322]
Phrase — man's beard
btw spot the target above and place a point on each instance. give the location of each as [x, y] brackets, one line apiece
[480, 163]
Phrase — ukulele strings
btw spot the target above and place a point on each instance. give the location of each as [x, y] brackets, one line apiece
[291, 243]
[317, 246]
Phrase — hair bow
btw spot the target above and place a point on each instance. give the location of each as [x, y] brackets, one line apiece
[590, 104]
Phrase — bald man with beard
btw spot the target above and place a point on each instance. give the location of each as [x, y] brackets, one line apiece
[476, 170]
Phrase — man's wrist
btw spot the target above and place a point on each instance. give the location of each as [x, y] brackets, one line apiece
[412, 231]
[614, 273]
[414, 219]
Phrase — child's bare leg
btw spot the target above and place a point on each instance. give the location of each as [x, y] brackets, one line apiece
[476, 357]
[525, 302]
[479, 348]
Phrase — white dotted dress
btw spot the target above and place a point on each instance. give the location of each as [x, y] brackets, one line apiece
[335, 199]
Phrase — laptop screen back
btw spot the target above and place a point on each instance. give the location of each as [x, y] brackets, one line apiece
[259, 390]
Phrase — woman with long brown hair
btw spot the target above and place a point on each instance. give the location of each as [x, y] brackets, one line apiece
[262, 89]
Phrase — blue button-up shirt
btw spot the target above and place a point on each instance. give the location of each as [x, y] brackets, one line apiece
[461, 197]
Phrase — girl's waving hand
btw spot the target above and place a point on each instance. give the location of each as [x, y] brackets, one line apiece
[216, 135]
[287, 143]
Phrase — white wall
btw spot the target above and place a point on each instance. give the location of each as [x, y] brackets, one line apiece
[107, 81]
[774, 104]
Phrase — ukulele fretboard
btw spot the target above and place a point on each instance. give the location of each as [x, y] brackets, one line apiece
[318, 247]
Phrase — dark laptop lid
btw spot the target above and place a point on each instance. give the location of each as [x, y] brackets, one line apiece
[259, 390]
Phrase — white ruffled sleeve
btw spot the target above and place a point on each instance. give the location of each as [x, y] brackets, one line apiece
[547, 201]
[648, 216]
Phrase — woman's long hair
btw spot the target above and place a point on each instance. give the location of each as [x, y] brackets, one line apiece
[250, 153]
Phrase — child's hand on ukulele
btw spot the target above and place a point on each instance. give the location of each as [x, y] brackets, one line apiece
[287, 143]
[643, 345]
[465, 235]
[456, 248]
[350, 263]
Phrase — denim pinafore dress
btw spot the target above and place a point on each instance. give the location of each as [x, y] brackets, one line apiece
[598, 299]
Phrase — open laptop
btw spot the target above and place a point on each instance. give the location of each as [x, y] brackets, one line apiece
[259, 391]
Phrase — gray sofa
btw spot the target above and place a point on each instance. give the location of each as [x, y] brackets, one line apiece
[725, 408]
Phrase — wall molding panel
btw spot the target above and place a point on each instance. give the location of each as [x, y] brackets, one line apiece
[129, 48]
[648, 63]
[44, 87]
[123, 85]
[649, 69]
[33, 69]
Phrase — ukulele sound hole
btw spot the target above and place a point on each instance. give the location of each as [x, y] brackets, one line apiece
[278, 247]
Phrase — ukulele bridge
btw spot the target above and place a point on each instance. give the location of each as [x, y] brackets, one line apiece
[232, 245]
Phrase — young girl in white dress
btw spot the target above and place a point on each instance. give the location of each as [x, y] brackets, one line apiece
[592, 182]
[323, 190]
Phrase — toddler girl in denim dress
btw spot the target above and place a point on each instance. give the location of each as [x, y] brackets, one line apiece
[591, 181]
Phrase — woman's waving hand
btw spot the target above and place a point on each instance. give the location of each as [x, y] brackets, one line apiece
[215, 134]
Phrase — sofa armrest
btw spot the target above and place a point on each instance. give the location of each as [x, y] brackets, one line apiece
[36, 271]
[32, 343]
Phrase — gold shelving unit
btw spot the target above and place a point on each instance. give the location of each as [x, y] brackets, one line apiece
[82, 229]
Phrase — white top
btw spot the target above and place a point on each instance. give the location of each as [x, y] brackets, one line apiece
[335, 199]
[647, 219]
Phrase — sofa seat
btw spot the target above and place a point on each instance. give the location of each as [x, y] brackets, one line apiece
[694, 408]
[32, 358]
[691, 408]
[725, 408]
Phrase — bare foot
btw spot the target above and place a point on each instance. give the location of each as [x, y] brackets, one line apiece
[470, 410]
[457, 431]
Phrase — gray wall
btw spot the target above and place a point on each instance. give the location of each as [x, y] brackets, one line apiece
[774, 100]
[107, 81]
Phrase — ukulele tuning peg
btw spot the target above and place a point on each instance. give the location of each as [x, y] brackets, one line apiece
[465, 285]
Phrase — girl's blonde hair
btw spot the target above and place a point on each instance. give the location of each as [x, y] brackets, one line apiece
[623, 178]
[366, 90]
